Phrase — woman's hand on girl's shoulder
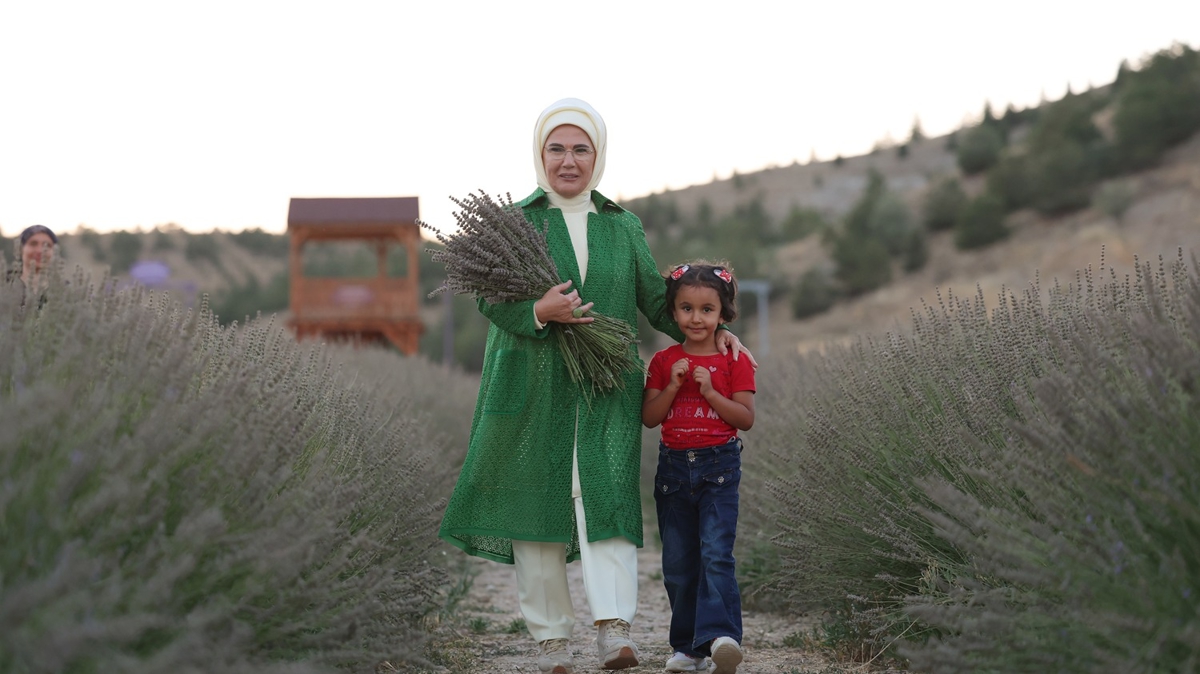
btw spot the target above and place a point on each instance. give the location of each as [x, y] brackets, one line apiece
[728, 342]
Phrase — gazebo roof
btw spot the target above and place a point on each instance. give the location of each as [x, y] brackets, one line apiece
[325, 212]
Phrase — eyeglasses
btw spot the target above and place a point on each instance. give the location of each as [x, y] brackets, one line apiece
[557, 151]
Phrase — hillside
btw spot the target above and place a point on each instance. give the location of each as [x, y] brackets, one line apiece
[1163, 216]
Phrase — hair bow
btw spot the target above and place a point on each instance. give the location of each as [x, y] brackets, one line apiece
[724, 275]
[680, 271]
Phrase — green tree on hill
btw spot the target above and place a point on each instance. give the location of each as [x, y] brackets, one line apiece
[202, 247]
[1060, 160]
[801, 222]
[248, 299]
[878, 228]
[982, 223]
[126, 247]
[979, 149]
[1158, 106]
[892, 223]
[862, 264]
[814, 293]
[943, 204]
[262, 242]
[916, 135]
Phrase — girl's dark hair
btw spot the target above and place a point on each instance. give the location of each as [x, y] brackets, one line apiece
[705, 274]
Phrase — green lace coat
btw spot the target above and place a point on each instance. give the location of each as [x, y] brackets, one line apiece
[516, 480]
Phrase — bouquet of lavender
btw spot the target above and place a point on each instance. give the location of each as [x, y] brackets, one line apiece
[500, 256]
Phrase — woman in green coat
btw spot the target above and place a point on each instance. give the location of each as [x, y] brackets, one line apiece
[550, 476]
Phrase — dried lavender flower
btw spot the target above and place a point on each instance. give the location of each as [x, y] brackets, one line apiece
[499, 256]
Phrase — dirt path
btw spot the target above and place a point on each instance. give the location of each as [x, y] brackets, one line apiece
[500, 643]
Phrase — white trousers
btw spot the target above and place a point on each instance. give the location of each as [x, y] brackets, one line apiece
[609, 578]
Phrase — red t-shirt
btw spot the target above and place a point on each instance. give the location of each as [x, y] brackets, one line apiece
[692, 422]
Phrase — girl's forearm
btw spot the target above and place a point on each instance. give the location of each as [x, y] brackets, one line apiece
[656, 406]
[731, 412]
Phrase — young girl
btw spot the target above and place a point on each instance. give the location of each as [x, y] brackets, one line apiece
[702, 399]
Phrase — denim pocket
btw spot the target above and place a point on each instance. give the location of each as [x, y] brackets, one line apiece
[664, 487]
[722, 478]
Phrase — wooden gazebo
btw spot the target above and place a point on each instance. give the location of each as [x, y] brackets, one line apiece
[368, 309]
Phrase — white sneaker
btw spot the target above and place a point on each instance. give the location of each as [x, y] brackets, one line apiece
[726, 655]
[554, 657]
[617, 650]
[682, 662]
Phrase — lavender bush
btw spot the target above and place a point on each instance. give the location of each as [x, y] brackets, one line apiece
[178, 496]
[998, 490]
[1094, 564]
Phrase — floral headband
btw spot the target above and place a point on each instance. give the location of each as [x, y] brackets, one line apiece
[721, 273]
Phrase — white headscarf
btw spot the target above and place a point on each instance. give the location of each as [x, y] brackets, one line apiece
[578, 113]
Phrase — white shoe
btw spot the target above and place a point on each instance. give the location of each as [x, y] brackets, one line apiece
[682, 662]
[554, 657]
[726, 655]
[617, 650]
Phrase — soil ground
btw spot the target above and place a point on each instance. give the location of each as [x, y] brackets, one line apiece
[493, 638]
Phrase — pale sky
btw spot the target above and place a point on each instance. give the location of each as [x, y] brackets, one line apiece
[121, 114]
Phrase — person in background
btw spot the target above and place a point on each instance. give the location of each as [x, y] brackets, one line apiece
[36, 251]
[551, 477]
[702, 398]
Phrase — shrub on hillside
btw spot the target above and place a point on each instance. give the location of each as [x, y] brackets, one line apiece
[163, 240]
[91, 239]
[979, 148]
[1055, 179]
[704, 213]
[916, 250]
[882, 215]
[1157, 106]
[656, 211]
[740, 236]
[801, 222]
[878, 228]
[1013, 118]
[815, 293]
[247, 299]
[1114, 199]
[1063, 177]
[858, 219]
[981, 224]
[183, 497]
[126, 247]
[261, 242]
[202, 248]
[943, 204]
[892, 223]
[916, 134]
[1068, 120]
[343, 259]
[1066, 155]
[1013, 181]
[468, 338]
[862, 264]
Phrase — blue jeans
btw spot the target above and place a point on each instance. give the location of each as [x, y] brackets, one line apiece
[696, 496]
